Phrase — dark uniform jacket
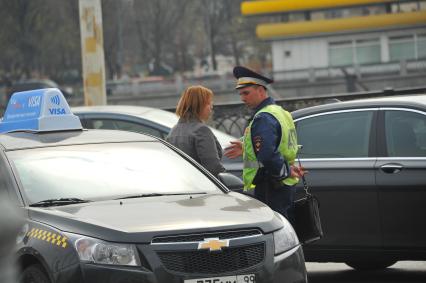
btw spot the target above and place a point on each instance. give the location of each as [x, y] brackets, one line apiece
[266, 136]
[198, 141]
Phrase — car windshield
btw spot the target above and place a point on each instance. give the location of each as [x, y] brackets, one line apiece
[106, 171]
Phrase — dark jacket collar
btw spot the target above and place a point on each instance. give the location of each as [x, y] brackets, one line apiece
[189, 120]
[264, 103]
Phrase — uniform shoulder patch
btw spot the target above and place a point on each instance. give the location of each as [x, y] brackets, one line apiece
[257, 142]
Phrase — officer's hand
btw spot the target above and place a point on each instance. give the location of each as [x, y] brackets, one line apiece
[297, 171]
[234, 150]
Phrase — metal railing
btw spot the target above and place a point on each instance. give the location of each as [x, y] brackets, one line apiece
[226, 82]
[313, 88]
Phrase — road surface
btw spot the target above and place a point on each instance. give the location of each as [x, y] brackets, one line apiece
[403, 271]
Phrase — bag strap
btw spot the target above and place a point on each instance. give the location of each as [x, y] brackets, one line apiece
[305, 184]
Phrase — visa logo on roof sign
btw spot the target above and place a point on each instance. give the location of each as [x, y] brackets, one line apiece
[38, 110]
[55, 99]
[57, 111]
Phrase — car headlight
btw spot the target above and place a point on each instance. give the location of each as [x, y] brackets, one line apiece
[101, 252]
[285, 238]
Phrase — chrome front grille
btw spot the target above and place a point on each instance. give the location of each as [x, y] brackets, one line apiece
[201, 237]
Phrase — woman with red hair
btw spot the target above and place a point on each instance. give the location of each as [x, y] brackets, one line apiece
[191, 134]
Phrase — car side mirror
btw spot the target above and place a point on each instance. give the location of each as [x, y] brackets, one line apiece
[232, 182]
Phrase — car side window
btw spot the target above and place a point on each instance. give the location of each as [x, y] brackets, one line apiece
[122, 125]
[405, 133]
[335, 135]
[6, 186]
[3, 183]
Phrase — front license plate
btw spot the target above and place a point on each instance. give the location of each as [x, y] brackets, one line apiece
[247, 278]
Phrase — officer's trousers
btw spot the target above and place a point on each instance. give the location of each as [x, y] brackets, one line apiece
[280, 199]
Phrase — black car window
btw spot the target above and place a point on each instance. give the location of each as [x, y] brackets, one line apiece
[405, 133]
[335, 135]
[122, 125]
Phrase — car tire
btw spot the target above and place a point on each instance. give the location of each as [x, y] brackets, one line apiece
[34, 274]
[370, 265]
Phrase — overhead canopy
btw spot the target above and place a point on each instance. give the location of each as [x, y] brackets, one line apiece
[293, 29]
[282, 6]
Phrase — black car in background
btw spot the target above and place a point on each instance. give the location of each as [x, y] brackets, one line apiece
[367, 166]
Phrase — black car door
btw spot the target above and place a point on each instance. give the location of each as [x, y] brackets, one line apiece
[339, 153]
[401, 177]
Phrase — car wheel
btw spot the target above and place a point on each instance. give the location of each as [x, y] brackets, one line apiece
[370, 265]
[34, 274]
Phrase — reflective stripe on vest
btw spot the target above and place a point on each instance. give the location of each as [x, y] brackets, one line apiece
[252, 164]
[287, 147]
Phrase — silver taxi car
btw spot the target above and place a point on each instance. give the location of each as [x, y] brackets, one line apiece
[114, 206]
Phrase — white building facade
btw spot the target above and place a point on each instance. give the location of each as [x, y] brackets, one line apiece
[377, 37]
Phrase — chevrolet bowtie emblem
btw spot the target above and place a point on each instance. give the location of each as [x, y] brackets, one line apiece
[213, 244]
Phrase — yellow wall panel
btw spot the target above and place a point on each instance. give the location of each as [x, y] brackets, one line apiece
[280, 6]
[279, 30]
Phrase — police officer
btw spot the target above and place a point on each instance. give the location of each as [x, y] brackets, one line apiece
[269, 145]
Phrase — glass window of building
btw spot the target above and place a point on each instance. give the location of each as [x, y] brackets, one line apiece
[334, 13]
[340, 53]
[376, 9]
[359, 52]
[318, 15]
[421, 46]
[409, 6]
[368, 51]
[297, 17]
[401, 48]
[353, 12]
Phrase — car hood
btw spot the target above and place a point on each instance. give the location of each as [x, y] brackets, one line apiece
[138, 220]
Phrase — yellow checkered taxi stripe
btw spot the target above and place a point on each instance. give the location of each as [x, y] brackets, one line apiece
[51, 238]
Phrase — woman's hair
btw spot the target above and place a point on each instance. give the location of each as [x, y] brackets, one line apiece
[192, 101]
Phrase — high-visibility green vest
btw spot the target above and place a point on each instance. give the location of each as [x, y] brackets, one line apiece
[288, 146]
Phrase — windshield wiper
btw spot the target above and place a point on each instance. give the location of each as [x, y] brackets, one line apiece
[159, 195]
[58, 201]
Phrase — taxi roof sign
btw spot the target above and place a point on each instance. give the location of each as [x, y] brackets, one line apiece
[39, 110]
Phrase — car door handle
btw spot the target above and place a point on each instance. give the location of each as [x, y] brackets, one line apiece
[391, 168]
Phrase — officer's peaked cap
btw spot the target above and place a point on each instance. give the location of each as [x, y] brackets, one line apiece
[246, 77]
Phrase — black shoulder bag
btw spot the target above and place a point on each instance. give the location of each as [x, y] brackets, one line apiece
[307, 218]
